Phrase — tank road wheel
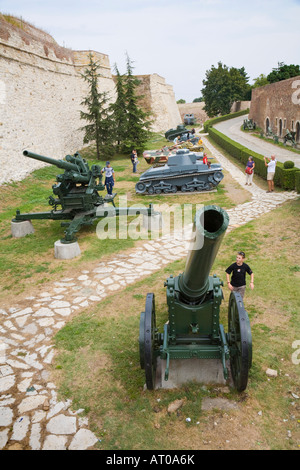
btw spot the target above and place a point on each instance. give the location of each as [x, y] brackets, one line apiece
[218, 176]
[184, 188]
[173, 188]
[150, 190]
[147, 341]
[239, 341]
[140, 187]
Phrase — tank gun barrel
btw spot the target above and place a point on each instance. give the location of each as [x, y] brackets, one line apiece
[59, 163]
[209, 227]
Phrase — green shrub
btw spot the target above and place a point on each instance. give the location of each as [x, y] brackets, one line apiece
[297, 180]
[288, 164]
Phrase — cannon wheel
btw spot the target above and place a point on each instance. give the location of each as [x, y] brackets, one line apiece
[239, 341]
[147, 341]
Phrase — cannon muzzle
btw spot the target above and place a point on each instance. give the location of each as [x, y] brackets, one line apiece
[59, 163]
[209, 227]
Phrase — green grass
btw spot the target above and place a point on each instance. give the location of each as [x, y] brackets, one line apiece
[98, 357]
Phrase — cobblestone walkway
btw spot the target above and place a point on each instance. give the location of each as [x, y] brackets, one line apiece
[31, 417]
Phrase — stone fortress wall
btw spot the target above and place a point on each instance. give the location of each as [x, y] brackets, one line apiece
[40, 94]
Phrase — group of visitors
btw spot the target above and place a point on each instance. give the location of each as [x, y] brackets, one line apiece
[270, 163]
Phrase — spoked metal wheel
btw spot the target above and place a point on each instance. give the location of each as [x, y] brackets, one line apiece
[148, 340]
[239, 341]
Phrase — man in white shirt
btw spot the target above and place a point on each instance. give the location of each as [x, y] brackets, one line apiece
[271, 166]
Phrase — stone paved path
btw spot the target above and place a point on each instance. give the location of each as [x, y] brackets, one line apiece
[31, 417]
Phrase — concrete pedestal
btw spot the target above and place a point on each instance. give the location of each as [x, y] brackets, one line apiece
[181, 371]
[66, 250]
[21, 229]
[153, 222]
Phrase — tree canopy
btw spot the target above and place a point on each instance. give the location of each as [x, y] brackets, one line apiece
[222, 87]
[283, 72]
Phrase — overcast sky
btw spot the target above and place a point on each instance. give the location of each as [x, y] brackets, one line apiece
[177, 39]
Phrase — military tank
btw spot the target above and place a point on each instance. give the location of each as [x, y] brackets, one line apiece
[184, 171]
[179, 131]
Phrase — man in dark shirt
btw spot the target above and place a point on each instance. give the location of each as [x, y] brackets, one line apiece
[238, 278]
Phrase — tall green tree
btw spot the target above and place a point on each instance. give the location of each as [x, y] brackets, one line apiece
[222, 87]
[119, 108]
[138, 121]
[261, 80]
[100, 124]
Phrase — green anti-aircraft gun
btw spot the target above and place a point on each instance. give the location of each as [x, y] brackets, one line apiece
[193, 298]
[76, 196]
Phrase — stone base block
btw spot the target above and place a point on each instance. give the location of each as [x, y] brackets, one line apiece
[181, 371]
[153, 222]
[21, 229]
[66, 250]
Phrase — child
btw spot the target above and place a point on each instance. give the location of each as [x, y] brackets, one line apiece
[238, 278]
[109, 177]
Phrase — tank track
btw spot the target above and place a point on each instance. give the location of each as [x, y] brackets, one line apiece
[172, 184]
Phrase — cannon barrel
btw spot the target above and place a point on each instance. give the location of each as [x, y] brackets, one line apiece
[209, 227]
[59, 163]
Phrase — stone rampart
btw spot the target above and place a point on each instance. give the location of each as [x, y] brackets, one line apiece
[41, 91]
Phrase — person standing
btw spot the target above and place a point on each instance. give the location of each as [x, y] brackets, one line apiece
[238, 272]
[249, 170]
[133, 157]
[109, 177]
[205, 159]
[271, 167]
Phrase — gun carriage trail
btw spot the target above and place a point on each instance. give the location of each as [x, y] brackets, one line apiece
[31, 416]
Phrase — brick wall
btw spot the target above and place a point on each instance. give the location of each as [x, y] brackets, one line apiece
[278, 106]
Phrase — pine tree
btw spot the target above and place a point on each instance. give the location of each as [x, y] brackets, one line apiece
[138, 121]
[119, 108]
[100, 127]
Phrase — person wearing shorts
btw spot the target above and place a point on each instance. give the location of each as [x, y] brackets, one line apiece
[271, 166]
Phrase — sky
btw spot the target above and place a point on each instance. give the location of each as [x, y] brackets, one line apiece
[180, 40]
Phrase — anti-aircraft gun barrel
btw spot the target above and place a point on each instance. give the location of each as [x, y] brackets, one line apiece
[209, 227]
[59, 163]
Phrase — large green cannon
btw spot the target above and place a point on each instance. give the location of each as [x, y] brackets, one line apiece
[193, 329]
[76, 196]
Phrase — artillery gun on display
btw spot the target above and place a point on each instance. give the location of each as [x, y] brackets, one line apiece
[270, 133]
[184, 171]
[194, 298]
[249, 124]
[76, 197]
[290, 137]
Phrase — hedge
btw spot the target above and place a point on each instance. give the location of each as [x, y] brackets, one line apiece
[225, 117]
[285, 178]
